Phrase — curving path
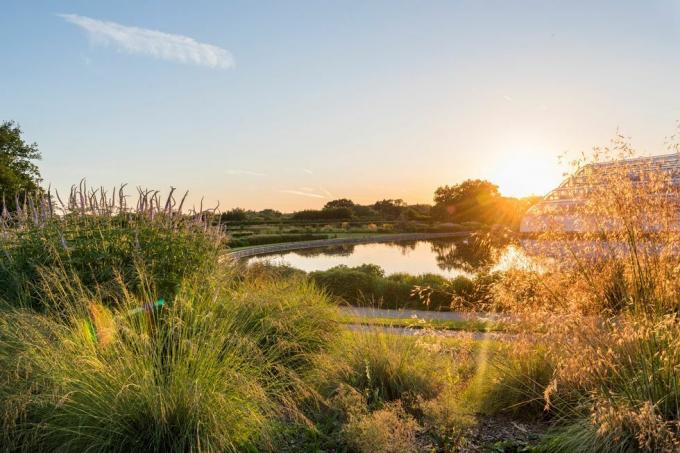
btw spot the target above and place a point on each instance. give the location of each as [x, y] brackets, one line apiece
[370, 312]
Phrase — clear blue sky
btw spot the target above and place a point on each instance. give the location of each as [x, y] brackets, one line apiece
[288, 104]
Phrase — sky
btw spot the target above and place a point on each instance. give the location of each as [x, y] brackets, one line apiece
[288, 105]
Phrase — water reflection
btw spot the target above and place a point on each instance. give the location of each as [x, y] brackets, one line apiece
[333, 250]
[448, 257]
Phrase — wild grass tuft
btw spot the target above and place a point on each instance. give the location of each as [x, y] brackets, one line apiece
[202, 373]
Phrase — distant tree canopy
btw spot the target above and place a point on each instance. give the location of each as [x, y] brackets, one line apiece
[340, 203]
[18, 173]
[480, 201]
[248, 215]
[467, 201]
[363, 211]
[390, 209]
[270, 214]
[324, 214]
[471, 190]
[234, 215]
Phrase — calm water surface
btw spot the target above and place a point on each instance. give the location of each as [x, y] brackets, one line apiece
[447, 257]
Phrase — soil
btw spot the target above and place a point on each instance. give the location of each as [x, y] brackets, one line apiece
[502, 435]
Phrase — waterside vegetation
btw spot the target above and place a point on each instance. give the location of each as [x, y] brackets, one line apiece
[124, 327]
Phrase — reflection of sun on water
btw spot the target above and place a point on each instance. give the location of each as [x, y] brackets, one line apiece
[514, 257]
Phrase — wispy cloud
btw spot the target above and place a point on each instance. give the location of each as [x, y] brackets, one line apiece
[244, 172]
[326, 192]
[308, 171]
[303, 193]
[157, 44]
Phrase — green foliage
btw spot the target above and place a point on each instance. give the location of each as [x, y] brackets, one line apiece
[339, 203]
[511, 382]
[234, 215]
[364, 211]
[104, 244]
[368, 284]
[101, 250]
[632, 400]
[390, 393]
[341, 213]
[480, 201]
[18, 173]
[218, 369]
[464, 201]
[390, 209]
[264, 239]
[386, 368]
[293, 319]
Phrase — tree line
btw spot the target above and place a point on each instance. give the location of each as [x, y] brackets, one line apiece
[473, 200]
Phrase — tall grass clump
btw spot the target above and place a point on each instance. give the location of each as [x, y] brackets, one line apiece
[294, 320]
[605, 307]
[386, 367]
[216, 369]
[393, 393]
[101, 239]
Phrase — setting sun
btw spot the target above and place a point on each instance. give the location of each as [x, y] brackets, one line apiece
[524, 173]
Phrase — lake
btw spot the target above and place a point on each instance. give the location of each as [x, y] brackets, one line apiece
[448, 257]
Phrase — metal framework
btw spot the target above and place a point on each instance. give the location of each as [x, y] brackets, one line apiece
[559, 208]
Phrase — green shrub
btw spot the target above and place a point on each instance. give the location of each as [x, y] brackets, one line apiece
[293, 319]
[218, 369]
[265, 239]
[511, 383]
[368, 284]
[100, 248]
[385, 368]
[324, 214]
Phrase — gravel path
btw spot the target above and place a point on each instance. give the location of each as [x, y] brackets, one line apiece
[368, 312]
[412, 331]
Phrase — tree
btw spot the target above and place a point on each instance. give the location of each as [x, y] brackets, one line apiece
[270, 214]
[390, 209]
[324, 214]
[18, 174]
[466, 201]
[363, 211]
[234, 215]
[340, 203]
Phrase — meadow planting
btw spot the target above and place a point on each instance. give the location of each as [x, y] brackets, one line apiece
[128, 328]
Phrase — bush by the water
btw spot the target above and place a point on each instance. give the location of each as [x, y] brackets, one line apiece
[368, 285]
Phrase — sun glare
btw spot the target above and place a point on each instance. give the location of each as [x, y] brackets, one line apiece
[524, 173]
